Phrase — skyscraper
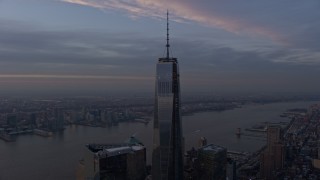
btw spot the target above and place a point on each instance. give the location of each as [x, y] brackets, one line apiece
[212, 163]
[207, 162]
[58, 124]
[167, 157]
[272, 159]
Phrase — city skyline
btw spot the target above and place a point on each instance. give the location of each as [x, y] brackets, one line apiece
[94, 46]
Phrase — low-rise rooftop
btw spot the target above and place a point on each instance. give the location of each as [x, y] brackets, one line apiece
[212, 147]
[108, 150]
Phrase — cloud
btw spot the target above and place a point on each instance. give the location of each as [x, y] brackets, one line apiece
[287, 23]
[183, 11]
[30, 51]
[99, 53]
[33, 58]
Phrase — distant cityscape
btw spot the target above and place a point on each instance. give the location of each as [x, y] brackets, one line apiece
[43, 117]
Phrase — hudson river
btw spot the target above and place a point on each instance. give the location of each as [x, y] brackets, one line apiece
[56, 157]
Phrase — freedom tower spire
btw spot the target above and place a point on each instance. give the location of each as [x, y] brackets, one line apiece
[168, 45]
[167, 155]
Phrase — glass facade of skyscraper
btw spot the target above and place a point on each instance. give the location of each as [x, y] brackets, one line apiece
[167, 158]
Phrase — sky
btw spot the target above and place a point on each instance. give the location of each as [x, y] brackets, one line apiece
[106, 46]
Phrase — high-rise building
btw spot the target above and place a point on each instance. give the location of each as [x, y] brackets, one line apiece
[272, 158]
[167, 156]
[212, 162]
[231, 171]
[58, 124]
[208, 162]
[202, 141]
[115, 161]
[12, 120]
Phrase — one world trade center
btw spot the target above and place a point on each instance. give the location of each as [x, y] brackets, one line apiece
[167, 156]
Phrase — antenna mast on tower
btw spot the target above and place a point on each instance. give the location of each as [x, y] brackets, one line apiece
[168, 45]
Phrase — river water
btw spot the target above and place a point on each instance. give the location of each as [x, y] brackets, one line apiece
[56, 157]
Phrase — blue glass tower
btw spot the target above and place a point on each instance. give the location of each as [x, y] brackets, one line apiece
[167, 156]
